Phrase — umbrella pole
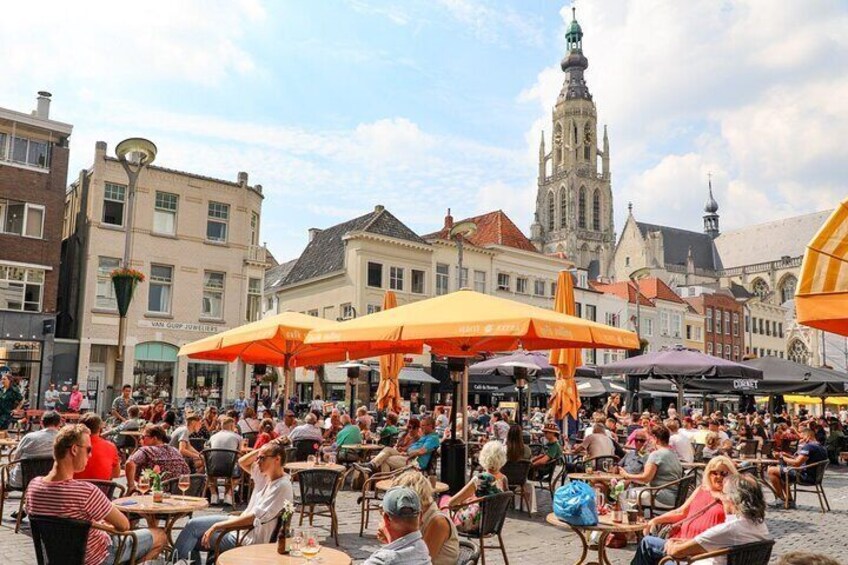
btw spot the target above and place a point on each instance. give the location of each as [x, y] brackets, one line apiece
[679, 382]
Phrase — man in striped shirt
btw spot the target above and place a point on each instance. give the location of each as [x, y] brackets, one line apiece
[58, 494]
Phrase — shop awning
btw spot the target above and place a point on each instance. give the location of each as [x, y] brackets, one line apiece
[415, 375]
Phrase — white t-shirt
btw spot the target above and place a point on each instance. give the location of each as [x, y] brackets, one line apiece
[225, 439]
[735, 531]
[265, 504]
[682, 446]
[589, 430]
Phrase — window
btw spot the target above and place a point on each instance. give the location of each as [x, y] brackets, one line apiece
[581, 208]
[709, 320]
[611, 319]
[442, 278]
[539, 287]
[727, 323]
[375, 275]
[31, 152]
[596, 211]
[21, 289]
[463, 277]
[747, 323]
[503, 281]
[480, 281]
[159, 289]
[313, 313]
[627, 261]
[717, 321]
[760, 324]
[768, 327]
[20, 218]
[114, 196]
[34, 221]
[760, 288]
[374, 308]
[165, 213]
[592, 312]
[254, 299]
[346, 311]
[105, 291]
[663, 323]
[676, 322]
[578, 309]
[553, 288]
[647, 327]
[563, 206]
[213, 295]
[3, 138]
[521, 285]
[217, 221]
[709, 348]
[551, 217]
[417, 281]
[396, 278]
[780, 329]
[699, 333]
[726, 351]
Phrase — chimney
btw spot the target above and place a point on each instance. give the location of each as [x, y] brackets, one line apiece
[379, 208]
[448, 221]
[258, 188]
[313, 232]
[242, 178]
[43, 109]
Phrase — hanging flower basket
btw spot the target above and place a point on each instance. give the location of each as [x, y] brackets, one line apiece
[124, 281]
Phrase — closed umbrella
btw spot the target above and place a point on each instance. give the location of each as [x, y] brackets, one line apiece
[565, 399]
[388, 393]
[821, 300]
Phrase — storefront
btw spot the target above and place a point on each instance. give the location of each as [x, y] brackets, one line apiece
[483, 389]
[153, 372]
[205, 382]
[23, 358]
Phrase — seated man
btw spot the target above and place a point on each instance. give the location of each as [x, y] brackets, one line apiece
[422, 449]
[308, 430]
[286, 425]
[553, 449]
[350, 434]
[154, 451]
[272, 486]
[634, 459]
[390, 430]
[104, 464]
[745, 508]
[180, 440]
[58, 494]
[399, 531]
[36, 444]
[809, 451]
[500, 427]
[226, 438]
[680, 443]
[597, 444]
[132, 423]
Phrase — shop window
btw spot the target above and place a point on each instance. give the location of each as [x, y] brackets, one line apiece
[153, 372]
[105, 290]
[213, 295]
[206, 382]
[114, 197]
[23, 358]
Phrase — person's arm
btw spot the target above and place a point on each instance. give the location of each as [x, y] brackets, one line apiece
[246, 461]
[186, 450]
[240, 521]
[672, 515]
[467, 492]
[130, 472]
[436, 535]
[117, 520]
[795, 461]
[645, 476]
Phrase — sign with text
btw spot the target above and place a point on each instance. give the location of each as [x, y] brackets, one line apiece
[744, 384]
[180, 326]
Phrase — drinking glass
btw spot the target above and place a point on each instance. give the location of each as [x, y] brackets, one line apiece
[296, 543]
[599, 499]
[143, 485]
[184, 483]
[310, 459]
[311, 547]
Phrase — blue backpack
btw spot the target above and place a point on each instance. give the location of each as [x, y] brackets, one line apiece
[574, 503]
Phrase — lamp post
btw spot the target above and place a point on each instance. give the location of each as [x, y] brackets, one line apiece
[134, 154]
[522, 374]
[633, 382]
[353, 372]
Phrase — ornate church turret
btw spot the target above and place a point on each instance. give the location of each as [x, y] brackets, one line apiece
[711, 214]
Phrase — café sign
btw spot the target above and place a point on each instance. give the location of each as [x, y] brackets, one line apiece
[180, 326]
[744, 384]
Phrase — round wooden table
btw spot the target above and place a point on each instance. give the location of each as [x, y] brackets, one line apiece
[304, 465]
[386, 484]
[597, 476]
[605, 527]
[8, 442]
[364, 447]
[172, 508]
[266, 554]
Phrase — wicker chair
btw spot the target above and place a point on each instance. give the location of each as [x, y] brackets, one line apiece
[546, 475]
[30, 469]
[492, 516]
[197, 443]
[749, 449]
[109, 488]
[816, 485]
[766, 448]
[685, 487]
[220, 464]
[370, 497]
[433, 463]
[241, 532]
[517, 473]
[390, 439]
[319, 487]
[469, 553]
[757, 553]
[63, 540]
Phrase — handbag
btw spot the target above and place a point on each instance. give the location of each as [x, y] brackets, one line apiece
[666, 531]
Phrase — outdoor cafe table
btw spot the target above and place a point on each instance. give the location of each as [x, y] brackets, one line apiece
[386, 484]
[604, 527]
[173, 508]
[266, 554]
[133, 435]
[367, 449]
[597, 476]
[304, 465]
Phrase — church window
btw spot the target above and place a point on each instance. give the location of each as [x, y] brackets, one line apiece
[563, 206]
[787, 288]
[587, 142]
[761, 288]
[596, 211]
[798, 352]
[581, 208]
[551, 218]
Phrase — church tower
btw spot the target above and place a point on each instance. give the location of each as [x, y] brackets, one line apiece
[574, 208]
[711, 214]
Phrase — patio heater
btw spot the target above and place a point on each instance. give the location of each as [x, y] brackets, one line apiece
[453, 449]
[522, 375]
[354, 370]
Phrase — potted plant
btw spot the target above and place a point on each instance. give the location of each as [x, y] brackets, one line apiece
[124, 282]
[154, 477]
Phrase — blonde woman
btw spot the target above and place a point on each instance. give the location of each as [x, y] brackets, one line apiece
[438, 530]
[491, 481]
[711, 445]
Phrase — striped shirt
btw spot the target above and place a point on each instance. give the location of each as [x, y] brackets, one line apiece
[78, 500]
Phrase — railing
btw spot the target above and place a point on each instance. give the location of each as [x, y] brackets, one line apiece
[256, 254]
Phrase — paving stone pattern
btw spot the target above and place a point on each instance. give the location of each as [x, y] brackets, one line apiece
[532, 541]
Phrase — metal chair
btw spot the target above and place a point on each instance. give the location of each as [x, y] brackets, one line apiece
[818, 470]
[749, 449]
[30, 469]
[109, 488]
[685, 486]
[220, 464]
[546, 474]
[699, 451]
[756, 553]
[433, 463]
[370, 497]
[469, 553]
[492, 516]
[250, 438]
[303, 448]
[197, 443]
[766, 448]
[389, 440]
[319, 487]
[517, 473]
[603, 463]
[196, 488]
[63, 540]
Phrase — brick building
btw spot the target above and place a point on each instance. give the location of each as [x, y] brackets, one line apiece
[724, 333]
[33, 173]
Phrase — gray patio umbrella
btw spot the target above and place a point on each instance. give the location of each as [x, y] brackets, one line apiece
[681, 366]
[495, 365]
[586, 387]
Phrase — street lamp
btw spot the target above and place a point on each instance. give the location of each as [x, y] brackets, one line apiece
[633, 382]
[522, 374]
[353, 371]
[458, 233]
[134, 154]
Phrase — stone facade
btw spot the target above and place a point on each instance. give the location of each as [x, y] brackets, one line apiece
[723, 320]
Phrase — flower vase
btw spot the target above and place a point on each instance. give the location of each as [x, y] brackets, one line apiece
[157, 495]
[282, 537]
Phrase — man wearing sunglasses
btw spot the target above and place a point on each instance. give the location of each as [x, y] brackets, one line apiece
[272, 486]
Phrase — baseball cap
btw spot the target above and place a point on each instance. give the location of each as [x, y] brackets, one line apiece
[401, 501]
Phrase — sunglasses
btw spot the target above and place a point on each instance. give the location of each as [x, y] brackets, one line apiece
[722, 474]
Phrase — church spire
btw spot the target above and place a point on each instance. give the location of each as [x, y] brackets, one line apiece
[574, 63]
[711, 212]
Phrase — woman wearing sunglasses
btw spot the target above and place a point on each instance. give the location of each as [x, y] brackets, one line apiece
[701, 511]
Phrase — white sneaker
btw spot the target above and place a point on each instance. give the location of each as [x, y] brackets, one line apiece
[228, 500]
[213, 498]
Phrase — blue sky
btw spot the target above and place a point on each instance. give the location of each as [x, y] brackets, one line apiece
[423, 105]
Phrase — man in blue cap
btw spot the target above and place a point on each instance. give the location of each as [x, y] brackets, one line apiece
[399, 531]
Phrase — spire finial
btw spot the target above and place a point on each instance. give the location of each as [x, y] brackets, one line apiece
[630, 208]
[573, 12]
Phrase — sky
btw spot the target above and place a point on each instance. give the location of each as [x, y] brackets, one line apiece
[424, 105]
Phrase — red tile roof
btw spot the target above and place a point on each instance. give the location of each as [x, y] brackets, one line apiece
[493, 228]
[654, 288]
[624, 290]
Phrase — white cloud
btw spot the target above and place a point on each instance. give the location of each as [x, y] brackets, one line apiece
[494, 24]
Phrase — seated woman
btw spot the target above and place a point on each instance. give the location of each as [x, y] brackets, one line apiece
[661, 467]
[711, 445]
[701, 511]
[266, 433]
[437, 529]
[517, 450]
[272, 486]
[490, 481]
[413, 434]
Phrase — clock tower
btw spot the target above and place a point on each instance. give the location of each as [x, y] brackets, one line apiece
[574, 209]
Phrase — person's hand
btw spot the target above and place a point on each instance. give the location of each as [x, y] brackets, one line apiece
[382, 537]
[207, 536]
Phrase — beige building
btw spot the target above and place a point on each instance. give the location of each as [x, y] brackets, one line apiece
[196, 239]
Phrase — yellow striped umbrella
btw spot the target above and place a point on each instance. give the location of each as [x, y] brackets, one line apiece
[821, 300]
[565, 398]
[388, 393]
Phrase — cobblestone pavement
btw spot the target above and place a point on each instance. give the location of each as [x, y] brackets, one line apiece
[532, 541]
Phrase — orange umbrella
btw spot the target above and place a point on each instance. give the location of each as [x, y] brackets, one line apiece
[822, 298]
[565, 398]
[388, 393]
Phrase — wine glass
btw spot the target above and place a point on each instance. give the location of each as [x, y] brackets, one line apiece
[297, 543]
[311, 547]
[599, 499]
[632, 498]
[143, 485]
[184, 483]
[310, 459]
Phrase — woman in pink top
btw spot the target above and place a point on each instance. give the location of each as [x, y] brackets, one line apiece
[75, 401]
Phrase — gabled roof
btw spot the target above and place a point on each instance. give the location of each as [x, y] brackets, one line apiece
[274, 276]
[770, 241]
[493, 228]
[325, 253]
[624, 290]
[677, 242]
[655, 289]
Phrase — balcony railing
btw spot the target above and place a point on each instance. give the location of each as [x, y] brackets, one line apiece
[256, 254]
